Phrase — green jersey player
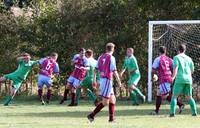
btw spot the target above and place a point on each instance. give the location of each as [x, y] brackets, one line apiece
[183, 67]
[24, 67]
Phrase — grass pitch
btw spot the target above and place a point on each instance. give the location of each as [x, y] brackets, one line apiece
[31, 114]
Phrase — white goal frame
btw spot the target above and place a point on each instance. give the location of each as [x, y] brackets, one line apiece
[150, 47]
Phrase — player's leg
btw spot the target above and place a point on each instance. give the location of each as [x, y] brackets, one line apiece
[70, 80]
[133, 97]
[112, 108]
[16, 85]
[177, 90]
[40, 89]
[105, 91]
[133, 83]
[75, 86]
[48, 83]
[78, 95]
[191, 101]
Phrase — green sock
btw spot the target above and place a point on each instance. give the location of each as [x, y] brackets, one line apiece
[133, 97]
[193, 106]
[91, 95]
[78, 95]
[8, 100]
[173, 105]
[137, 91]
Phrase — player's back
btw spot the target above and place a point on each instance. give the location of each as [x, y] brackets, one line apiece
[185, 68]
[165, 69]
[104, 66]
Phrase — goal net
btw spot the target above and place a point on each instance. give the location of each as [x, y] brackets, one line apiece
[171, 34]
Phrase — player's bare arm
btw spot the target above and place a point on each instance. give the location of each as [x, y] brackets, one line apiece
[174, 73]
[117, 78]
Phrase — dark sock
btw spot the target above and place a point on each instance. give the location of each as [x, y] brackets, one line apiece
[158, 103]
[49, 94]
[169, 98]
[40, 94]
[97, 109]
[65, 94]
[73, 96]
[179, 102]
[111, 111]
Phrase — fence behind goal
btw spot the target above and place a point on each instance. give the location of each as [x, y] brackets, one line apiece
[171, 34]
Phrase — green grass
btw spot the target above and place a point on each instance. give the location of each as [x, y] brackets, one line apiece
[30, 114]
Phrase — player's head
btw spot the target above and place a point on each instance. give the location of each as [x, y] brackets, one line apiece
[182, 48]
[82, 52]
[26, 56]
[110, 47]
[162, 50]
[54, 55]
[129, 51]
[89, 53]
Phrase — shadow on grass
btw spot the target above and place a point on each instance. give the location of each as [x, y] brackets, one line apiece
[81, 114]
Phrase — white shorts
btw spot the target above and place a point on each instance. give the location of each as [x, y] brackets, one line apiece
[106, 88]
[75, 83]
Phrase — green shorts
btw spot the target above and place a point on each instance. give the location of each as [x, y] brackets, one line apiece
[133, 80]
[87, 83]
[17, 82]
[185, 89]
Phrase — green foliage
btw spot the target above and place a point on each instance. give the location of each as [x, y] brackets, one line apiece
[65, 26]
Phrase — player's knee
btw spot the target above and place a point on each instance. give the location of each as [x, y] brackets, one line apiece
[188, 97]
[105, 101]
[132, 87]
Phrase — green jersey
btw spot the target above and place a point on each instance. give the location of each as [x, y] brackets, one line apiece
[90, 73]
[23, 69]
[130, 63]
[185, 68]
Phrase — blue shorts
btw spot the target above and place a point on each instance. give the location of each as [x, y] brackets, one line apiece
[164, 89]
[44, 80]
[106, 88]
[75, 83]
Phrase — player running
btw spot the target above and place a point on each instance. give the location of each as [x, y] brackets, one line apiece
[24, 67]
[130, 63]
[81, 66]
[87, 83]
[48, 66]
[107, 67]
[183, 67]
[163, 66]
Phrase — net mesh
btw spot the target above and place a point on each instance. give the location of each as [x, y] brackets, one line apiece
[171, 35]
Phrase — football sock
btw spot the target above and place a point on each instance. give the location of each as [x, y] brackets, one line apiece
[158, 103]
[65, 94]
[40, 94]
[73, 97]
[133, 97]
[78, 95]
[49, 94]
[193, 106]
[97, 109]
[173, 105]
[111, 111]
[179, 102]
[8, 100]
[137, 91]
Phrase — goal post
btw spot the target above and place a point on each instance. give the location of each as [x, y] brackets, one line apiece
[171, 34]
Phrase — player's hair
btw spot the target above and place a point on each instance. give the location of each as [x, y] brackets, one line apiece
[131, 49]
[82, 50]
[182, 48]
[25, 54]
[162, 49]
[89, 52]
[110, 46]
[54, 54]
